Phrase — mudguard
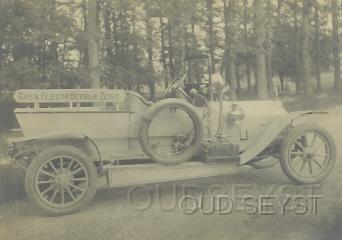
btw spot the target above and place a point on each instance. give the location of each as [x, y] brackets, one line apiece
[54, 136]
[271, 132]
[57, 137]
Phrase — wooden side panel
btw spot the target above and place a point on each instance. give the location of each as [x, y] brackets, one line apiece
[94, 125]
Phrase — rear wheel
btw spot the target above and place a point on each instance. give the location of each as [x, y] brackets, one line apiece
[171, 131]
[61, 180]
[308, 154]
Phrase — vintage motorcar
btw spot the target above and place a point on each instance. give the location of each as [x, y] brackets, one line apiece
[73, 138]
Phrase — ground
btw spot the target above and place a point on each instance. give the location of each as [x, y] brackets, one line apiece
[112, 216]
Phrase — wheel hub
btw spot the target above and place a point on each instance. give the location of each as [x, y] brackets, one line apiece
[309, 153]
[63, 179]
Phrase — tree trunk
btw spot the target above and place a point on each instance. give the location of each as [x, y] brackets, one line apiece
[256, 80]
[268, 49]
[124, 29]
[229, 53]
[211, 34]
[137, 80]
[193, 36]
[296, 46]
[149, 32]
[281, 78]
[186, 42]
[226, 43]
[335, 8]
[84, 51]
[115, 38]
[108, 30]
[259, 27]
[245, 26]
[191, 75]
[238, 82]
[318, 48]
[171, 55]
[93, 51]
[163, 47]
[307, 5]
[249, 79]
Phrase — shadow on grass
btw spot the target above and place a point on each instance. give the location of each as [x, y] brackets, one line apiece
[11, 180]
[11, 184]
[335, 233]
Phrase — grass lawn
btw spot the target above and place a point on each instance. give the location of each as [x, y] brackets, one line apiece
[316, 102]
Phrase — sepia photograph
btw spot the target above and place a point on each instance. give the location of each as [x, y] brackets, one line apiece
[170, 119]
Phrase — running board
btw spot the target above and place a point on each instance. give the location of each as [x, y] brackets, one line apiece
[137, 174]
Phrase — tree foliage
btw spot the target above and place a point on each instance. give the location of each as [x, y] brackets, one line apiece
[144, 42]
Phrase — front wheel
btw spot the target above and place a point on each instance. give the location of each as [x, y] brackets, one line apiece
[307, 154]
[61, 180]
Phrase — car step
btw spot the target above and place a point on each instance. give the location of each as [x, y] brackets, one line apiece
[137, 174]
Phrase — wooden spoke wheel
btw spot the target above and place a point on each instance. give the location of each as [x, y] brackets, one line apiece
[61, 180]
[308, 154]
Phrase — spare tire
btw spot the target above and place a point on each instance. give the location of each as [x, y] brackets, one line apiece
[183, 144]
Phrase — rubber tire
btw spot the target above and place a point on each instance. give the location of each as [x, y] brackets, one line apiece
[145, 123]
[41, 159]
[262, 164]
[286, 144]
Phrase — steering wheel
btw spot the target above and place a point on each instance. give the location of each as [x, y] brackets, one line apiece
[172, 88]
